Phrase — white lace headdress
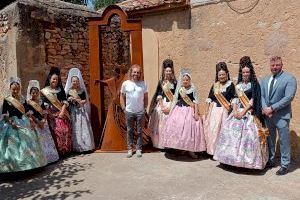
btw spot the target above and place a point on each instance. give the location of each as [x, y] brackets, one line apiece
[184, 72]
[32, 84]
[15, 80]
[76, 72]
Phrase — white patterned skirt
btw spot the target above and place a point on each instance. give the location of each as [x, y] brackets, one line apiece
[48, 144]
[82, 134]
[239, 144]
[157, 123]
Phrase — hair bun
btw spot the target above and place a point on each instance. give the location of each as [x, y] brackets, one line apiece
[168, 63]
[245, 61]
[54, 70]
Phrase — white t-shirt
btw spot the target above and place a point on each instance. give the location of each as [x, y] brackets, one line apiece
[134, 92]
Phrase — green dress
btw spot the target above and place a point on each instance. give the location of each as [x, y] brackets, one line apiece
[21, 148]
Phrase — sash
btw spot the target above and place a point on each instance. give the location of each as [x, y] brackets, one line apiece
[74, 94]
[17, 104]
[220, 97]
[167, 91]
[36, 106]
[185, 97]
[52, 98]
[262, 131]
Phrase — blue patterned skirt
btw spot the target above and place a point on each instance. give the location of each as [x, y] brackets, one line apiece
[20, 149]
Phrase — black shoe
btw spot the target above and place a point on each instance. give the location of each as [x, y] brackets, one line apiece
[270, 165]
[282, 171]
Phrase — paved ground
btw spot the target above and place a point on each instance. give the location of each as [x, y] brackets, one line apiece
[157, 176]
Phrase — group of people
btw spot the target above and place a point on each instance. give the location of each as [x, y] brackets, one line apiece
[240, 121]
[47, 125]
[238, 127]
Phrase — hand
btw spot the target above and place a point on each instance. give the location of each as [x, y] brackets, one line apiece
[165, 110]
[268, 111]
[71, 99]
[82, 102]
[41, 124]
[14, 125]
[238, 115]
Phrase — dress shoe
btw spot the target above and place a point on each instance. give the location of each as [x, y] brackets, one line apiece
[282, 171]
[270, 165]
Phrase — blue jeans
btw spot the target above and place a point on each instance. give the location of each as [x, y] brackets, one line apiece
[131, 119]
[282, 125]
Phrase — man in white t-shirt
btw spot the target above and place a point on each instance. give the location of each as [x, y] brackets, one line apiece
[134, 101]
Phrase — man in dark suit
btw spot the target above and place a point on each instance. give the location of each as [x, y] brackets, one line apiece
[278, 91]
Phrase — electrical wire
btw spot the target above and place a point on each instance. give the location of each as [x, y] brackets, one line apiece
[242, 10]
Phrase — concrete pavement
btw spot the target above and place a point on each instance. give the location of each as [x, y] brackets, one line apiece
[155, 176]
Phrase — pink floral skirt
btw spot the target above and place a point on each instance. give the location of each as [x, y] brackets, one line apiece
[183, 132]
[61, 132]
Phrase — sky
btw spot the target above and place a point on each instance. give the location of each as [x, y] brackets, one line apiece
[90, 4]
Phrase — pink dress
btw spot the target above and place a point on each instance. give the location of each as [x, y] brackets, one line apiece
[181, 130]
[216, 116]
[157, 117]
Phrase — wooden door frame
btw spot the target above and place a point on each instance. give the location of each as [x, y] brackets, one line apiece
[134, 27]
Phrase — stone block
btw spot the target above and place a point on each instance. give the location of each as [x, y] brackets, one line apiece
[51, 51]
[47, 35]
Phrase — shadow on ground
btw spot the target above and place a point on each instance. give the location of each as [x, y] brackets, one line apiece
[37, 184]
[183, 156]
[245, 171]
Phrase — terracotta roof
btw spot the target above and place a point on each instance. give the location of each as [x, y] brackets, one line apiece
[137, 5]
[54, 6]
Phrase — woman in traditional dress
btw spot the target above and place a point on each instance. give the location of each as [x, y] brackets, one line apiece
[82, 134]
[161, 103]
[218, 106]
[183, 129]
[240, 143]
[20, 146]
[54, 98]
[38, 116]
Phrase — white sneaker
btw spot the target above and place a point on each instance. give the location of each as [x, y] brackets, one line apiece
[139, 153]
[129, 154]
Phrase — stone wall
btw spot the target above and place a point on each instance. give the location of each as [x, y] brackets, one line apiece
[47, 33]
[217, 31]
[3, 52]
[8, 63]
